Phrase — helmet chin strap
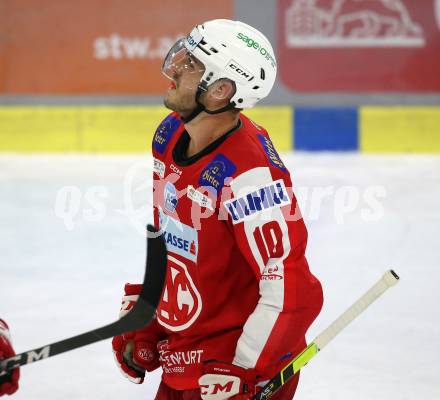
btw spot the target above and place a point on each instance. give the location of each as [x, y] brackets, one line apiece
[200, 107]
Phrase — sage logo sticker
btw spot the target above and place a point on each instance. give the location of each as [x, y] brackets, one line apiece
[252, 43]
[263, 198]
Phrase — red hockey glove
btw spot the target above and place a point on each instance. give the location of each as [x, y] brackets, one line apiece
[134, 353]
[222, 381]
[9, 381]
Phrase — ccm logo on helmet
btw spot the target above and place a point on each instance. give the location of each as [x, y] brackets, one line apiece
[236, 67]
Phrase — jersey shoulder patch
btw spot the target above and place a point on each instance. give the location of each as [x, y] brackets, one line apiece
[260, 146]
[271, 152]
[165, 132]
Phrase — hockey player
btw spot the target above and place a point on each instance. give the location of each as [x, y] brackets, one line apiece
[239, 296]
[8, 382]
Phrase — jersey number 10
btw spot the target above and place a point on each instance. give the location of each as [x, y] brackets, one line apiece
[269, 239]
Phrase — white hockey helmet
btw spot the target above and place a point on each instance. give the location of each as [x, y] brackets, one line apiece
[232, 50]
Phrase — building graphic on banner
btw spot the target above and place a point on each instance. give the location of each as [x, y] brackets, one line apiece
[352, 23]
[437, 12]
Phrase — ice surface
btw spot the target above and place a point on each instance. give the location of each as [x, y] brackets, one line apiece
[70, 236]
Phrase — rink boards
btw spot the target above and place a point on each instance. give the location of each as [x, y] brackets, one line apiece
[127, 129]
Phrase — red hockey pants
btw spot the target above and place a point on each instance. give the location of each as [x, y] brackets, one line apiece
[166, 393]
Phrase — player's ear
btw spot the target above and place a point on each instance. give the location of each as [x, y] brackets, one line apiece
[222, 90]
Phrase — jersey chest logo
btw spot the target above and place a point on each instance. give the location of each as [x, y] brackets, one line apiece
[170, 197]
[215, 173]
[181, 302]
[180, 238]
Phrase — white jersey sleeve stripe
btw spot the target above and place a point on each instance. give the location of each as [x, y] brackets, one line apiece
[260, 323]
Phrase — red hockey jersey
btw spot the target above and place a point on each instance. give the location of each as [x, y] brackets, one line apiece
[238, 286]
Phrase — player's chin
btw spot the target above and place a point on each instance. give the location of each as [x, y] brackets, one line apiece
[169, 103]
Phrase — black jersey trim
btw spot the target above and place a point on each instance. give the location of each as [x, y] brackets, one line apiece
[181, 146]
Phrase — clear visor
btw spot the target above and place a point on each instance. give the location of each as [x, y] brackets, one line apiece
[179, 61]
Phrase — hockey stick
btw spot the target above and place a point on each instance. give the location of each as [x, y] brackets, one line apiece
[139, 316]
[390, 278]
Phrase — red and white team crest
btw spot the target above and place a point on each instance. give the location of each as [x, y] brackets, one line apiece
[181, 302]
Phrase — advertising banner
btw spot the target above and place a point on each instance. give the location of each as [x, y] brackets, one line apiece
[93, 46]
[359, 45]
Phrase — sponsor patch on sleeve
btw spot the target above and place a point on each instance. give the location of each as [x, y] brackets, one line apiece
[214, 175]
[165, 132]
[271, 152]
[271, 195]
